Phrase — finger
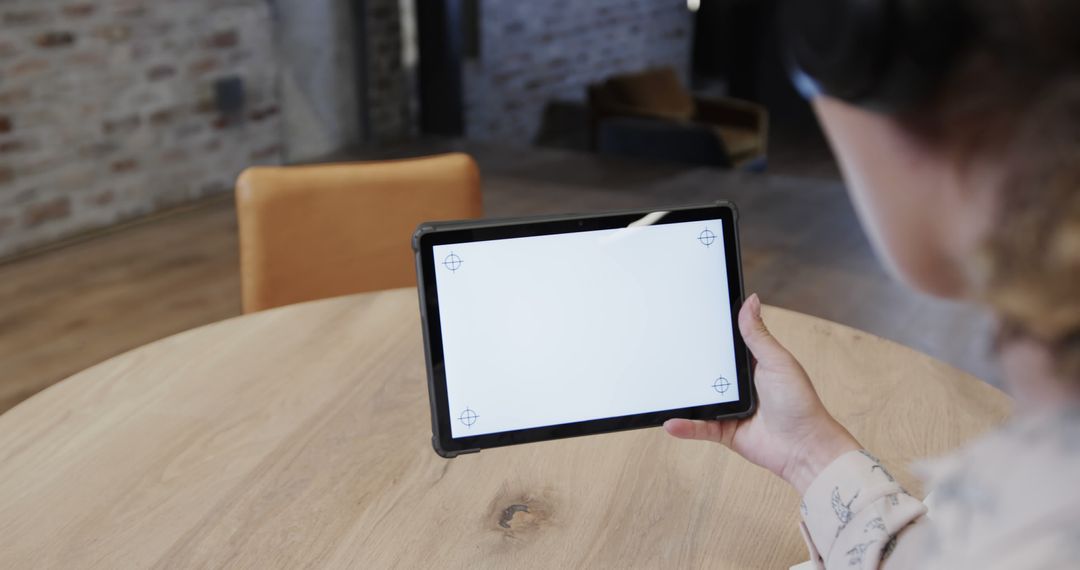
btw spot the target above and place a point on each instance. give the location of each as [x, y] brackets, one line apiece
[757, 336]
[698, 429]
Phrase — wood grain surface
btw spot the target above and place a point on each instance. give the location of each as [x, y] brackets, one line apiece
[300, 437]
[72, 308]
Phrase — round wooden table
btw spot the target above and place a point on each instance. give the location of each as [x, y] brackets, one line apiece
[300, 437]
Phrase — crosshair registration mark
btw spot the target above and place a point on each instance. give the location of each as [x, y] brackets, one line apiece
[468, 417]
[706, 237]
[452, 262]
[721, 385]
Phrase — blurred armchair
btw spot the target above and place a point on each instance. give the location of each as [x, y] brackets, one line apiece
[652, 115]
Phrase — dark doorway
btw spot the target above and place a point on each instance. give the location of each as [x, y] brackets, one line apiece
[439, 25]
[737, 42]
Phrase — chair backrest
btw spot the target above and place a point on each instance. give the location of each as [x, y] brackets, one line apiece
[656, 92]
[310, 232]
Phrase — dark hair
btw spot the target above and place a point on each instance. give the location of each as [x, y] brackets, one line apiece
[1013, 97]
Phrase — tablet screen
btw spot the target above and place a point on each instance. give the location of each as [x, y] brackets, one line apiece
[553, 329]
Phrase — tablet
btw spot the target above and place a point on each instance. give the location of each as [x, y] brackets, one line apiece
[545, 328]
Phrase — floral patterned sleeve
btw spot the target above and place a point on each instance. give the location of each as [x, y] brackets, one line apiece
[854, 511]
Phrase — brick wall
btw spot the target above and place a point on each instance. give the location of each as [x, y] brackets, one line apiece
[107, 109]
[390, 88]
[532, 53]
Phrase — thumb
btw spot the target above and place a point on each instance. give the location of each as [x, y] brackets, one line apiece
[722, 431]
[757, 336]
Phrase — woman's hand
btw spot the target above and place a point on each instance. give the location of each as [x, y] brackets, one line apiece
[792, 434]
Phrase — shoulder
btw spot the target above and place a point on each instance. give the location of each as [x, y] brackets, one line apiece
[1011, 493]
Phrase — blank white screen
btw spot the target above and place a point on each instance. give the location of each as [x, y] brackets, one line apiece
[548, 330]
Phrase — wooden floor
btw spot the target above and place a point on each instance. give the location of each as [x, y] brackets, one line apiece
[75, 306]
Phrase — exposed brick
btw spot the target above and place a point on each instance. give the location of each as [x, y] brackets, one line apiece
[162, 116]
[13, 146]
[536, 82]
[558, 63]
[7, 49]
[25, 17]
[161, 28]
[169, 197]
[159, 72]
[66, 65]
[103, 198]
[388, 89]
[99, 150]
[55, 209]
[125, 165]
[214, 187]
[141, 50]
[174, 155]
[224, 39]
[188, 131]
[203, 66]
[500, 79]
[239, 57]
[35, 165]
[114, 33]
[223, 122]
[133, 13]
[122, 125]
[267, 153]
[88, 58]
[205, 106]
[264, 113]
[26, 196]
[79, 10]
[55, 39]
[29, 67]
[570, 45]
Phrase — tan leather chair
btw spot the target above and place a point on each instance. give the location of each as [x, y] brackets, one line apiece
[310, 232]
[651, 114]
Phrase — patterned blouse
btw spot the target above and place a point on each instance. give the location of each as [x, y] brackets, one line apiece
[1010, 500]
